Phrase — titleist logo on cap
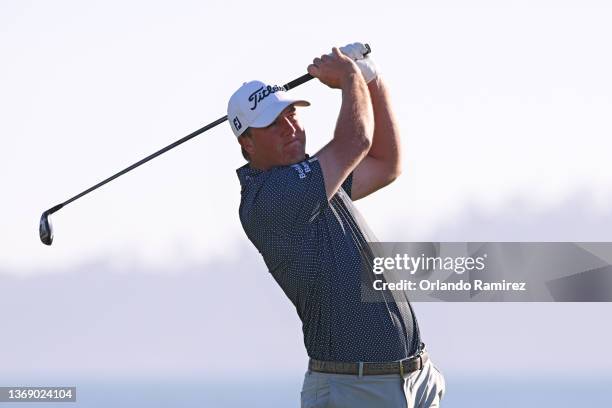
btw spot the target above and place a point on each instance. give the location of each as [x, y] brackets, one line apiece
[262, 93]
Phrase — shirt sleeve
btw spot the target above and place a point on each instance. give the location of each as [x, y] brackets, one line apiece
[291, 197]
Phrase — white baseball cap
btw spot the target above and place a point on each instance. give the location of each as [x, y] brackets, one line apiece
[257, 105]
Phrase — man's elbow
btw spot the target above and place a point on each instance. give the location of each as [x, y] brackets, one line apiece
[393, 174]
[394, 170]
[389, 176]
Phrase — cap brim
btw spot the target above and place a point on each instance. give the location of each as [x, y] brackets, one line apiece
[271, 113]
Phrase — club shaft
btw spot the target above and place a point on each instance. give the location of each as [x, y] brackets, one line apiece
[146, 159]
[290, 85]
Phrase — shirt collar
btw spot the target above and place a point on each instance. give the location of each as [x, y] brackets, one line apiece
[246, 173]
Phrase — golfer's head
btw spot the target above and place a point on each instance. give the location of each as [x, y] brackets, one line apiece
[264, 119]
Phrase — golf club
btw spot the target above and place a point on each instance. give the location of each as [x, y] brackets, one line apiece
[45, 228]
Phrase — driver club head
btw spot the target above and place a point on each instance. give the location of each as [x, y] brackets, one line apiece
[45, 229]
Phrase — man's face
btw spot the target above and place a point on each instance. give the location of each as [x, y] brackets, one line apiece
[281, 143]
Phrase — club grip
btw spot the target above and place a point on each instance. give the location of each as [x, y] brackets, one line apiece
[307, 77]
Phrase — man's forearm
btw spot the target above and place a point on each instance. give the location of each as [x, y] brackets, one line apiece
[386, 141]
[353, 134]
[356, 120]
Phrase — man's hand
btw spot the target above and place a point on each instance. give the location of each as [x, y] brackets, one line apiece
[366, 65]
[333, 70]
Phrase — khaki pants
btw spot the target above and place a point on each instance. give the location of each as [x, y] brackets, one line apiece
[420, 389]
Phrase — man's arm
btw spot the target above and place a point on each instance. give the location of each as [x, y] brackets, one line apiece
[382, 165]
[355, 126]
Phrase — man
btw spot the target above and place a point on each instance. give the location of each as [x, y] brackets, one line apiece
[364, 346]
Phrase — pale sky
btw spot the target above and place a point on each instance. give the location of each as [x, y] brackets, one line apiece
[504, 109]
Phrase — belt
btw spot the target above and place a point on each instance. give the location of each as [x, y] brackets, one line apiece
[401, 367]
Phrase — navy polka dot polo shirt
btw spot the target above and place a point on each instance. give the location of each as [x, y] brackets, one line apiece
[315, 251]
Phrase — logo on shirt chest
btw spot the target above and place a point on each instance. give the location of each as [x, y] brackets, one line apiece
[302, 169]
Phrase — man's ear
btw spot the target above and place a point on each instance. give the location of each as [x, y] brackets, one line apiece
[246, 142]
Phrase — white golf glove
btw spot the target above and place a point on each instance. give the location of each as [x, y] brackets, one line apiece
[355, 51]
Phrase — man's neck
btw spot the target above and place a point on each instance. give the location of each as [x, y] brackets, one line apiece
[259, 166]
